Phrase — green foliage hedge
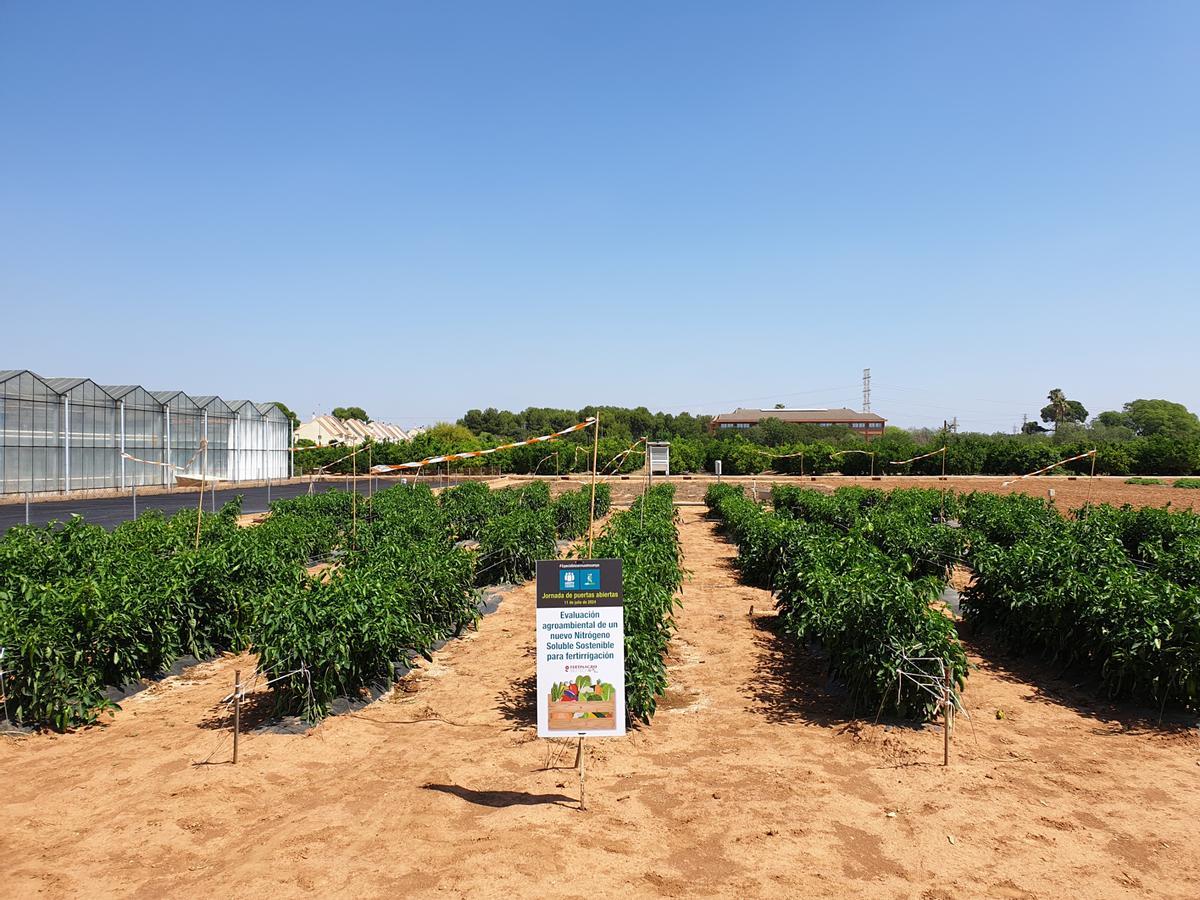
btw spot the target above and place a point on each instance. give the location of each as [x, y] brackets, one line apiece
[764, 449]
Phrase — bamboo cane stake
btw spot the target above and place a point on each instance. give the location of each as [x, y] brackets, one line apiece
[237, 710]
[947, 712]
[592, 513]
[203, 475]
[582, 777]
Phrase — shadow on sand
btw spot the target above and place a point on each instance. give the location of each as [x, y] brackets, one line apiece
[1073, 687]
[517, 703]
[501, 799]
[790, 684]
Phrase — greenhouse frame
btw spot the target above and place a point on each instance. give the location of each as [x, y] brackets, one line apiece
[72, 434]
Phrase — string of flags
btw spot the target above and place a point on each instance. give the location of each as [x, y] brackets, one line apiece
[167, 465]
[904, 462]
[1091, 453]
[471, 454]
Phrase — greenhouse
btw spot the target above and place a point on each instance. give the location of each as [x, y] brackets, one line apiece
[72, 434]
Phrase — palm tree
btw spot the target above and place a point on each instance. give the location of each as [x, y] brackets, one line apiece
[1060, 405]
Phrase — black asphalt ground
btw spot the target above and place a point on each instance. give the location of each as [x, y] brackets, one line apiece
[112, 511]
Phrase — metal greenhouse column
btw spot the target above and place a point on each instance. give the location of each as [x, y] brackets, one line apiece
[66, 443]
[122, 457]
[167, 459]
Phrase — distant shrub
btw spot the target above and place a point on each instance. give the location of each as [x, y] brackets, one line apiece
[1144, 481]
[1187, 483]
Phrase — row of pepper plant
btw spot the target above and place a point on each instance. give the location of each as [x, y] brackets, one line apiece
[646, 539]
[1114, 591]
[84, 611]
[858, 572]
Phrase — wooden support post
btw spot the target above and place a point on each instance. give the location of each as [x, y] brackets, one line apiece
[947, 713]
[592, 513]
[582, 776]
[203, 475]
[944, 486]
[237, 710]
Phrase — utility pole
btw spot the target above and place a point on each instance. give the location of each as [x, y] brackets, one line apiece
[866, 390]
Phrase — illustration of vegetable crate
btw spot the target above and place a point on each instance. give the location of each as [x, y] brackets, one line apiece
[580, 705]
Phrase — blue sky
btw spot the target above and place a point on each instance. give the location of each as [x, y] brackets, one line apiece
[422, 208]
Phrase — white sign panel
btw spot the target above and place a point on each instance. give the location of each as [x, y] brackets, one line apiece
[580, 648]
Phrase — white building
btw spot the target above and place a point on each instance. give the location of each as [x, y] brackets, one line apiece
[326, 430]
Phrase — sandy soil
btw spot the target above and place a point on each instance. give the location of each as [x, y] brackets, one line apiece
[752, 782]
[1068, 494]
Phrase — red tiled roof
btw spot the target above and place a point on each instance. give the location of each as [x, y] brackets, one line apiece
[838, 416]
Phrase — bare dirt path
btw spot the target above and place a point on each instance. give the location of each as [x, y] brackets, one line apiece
[752, 782]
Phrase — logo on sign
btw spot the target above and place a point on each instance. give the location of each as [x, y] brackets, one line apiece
[579, 579]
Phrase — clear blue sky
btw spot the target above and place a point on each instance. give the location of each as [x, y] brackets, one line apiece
[426, 207]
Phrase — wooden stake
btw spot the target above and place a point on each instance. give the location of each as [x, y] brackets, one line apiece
[237, 710]
[582, 778]
[947, 705]
[203, 475]
[944, 486]
[592, 513]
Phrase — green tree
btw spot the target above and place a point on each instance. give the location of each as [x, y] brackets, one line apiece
[1152, 417]
[1060, 409]
[291, 415]
[1113, 419]
[351, 412]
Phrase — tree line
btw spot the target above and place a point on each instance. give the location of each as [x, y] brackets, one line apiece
[1145, 437]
